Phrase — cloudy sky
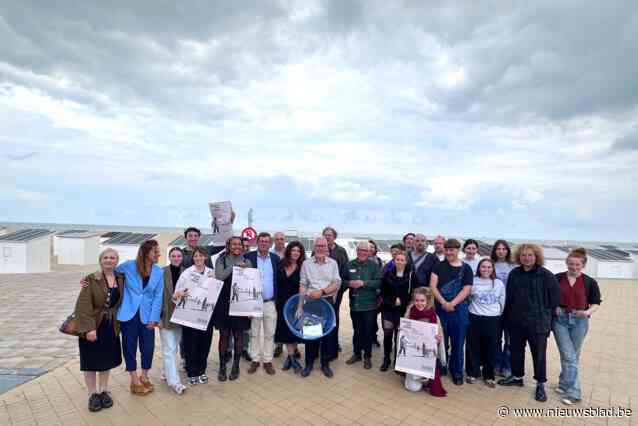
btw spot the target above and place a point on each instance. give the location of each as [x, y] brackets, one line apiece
[514, 119]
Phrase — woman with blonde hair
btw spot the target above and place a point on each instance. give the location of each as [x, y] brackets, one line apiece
[422, 309]
[579, 299]
[95, 311]
[532, 296]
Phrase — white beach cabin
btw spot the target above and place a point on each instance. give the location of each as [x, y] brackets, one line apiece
[25, 251]
[79, 248]
[555, 259]
[126, 244]
[56, 238]
[607, 264]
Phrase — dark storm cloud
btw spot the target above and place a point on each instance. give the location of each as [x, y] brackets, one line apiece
[521, 60]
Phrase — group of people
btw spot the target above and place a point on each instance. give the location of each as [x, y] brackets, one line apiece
[487, 310]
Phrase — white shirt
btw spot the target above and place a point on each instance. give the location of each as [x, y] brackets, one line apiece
[319, 275]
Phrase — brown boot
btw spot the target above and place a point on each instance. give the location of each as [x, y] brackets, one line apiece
[139, 389]
[269, 368]
[147, 384]
[253, 367]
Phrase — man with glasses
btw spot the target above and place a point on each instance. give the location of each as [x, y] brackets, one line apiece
[363, 281]
[320, 278]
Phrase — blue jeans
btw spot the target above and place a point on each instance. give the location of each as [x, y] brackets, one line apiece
[454, 326]
[134, 333]
[569, 331]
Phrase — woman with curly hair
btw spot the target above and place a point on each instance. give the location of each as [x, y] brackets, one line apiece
[533, 294]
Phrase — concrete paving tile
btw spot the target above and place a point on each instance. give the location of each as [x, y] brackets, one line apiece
[354, 396]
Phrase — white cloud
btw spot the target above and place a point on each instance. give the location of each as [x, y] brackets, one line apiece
[457, 109]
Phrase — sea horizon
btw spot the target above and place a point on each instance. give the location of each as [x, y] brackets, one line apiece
[58, 227]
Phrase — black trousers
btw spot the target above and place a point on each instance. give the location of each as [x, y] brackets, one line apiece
[196, 349]
[519, 336]
[325, 348]
[363, 323]
[484, 338]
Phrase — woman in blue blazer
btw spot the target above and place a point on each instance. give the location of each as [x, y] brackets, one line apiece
[140, 312]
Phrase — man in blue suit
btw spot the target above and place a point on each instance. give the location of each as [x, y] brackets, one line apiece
[264, 326]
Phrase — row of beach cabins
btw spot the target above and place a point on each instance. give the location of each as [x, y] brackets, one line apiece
[33, 250]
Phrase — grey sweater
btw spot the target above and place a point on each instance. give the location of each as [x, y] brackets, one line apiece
[487, 297]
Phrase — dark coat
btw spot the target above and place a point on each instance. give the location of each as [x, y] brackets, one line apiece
[531, 300]
[340, 255]
[424, 270]
[401, 287]
[168, 306]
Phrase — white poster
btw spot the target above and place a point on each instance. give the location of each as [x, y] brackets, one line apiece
[220, 213]
[201, 293]
[416, 348]
[246, 293]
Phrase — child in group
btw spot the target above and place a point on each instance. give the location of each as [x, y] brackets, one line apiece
[422, 309]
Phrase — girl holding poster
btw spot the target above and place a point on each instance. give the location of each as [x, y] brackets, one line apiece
[422, 309]
[225, 323]
[196, 342]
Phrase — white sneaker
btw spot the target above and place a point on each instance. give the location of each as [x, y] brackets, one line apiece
[178, 388]
[569, 401]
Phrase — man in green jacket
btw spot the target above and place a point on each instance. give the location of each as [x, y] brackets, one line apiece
[363, 280]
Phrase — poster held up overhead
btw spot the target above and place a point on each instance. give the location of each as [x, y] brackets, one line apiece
[221, 224]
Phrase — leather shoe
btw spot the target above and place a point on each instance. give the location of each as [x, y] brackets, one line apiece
[325, 369]
[94, 403]
[253, 367]
[246, 356]
[278, 351]
[287, 363]
[458, 381]
[385, 365]
[106, 400]
[540, 395]
[367, 363]
[270, 370]
[511, 381]
[306, 370]
[353, 359]
[296, 367]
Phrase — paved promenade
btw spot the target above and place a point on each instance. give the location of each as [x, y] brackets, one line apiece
[34, 305]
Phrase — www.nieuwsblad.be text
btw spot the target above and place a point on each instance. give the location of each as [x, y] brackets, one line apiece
[583, 412]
